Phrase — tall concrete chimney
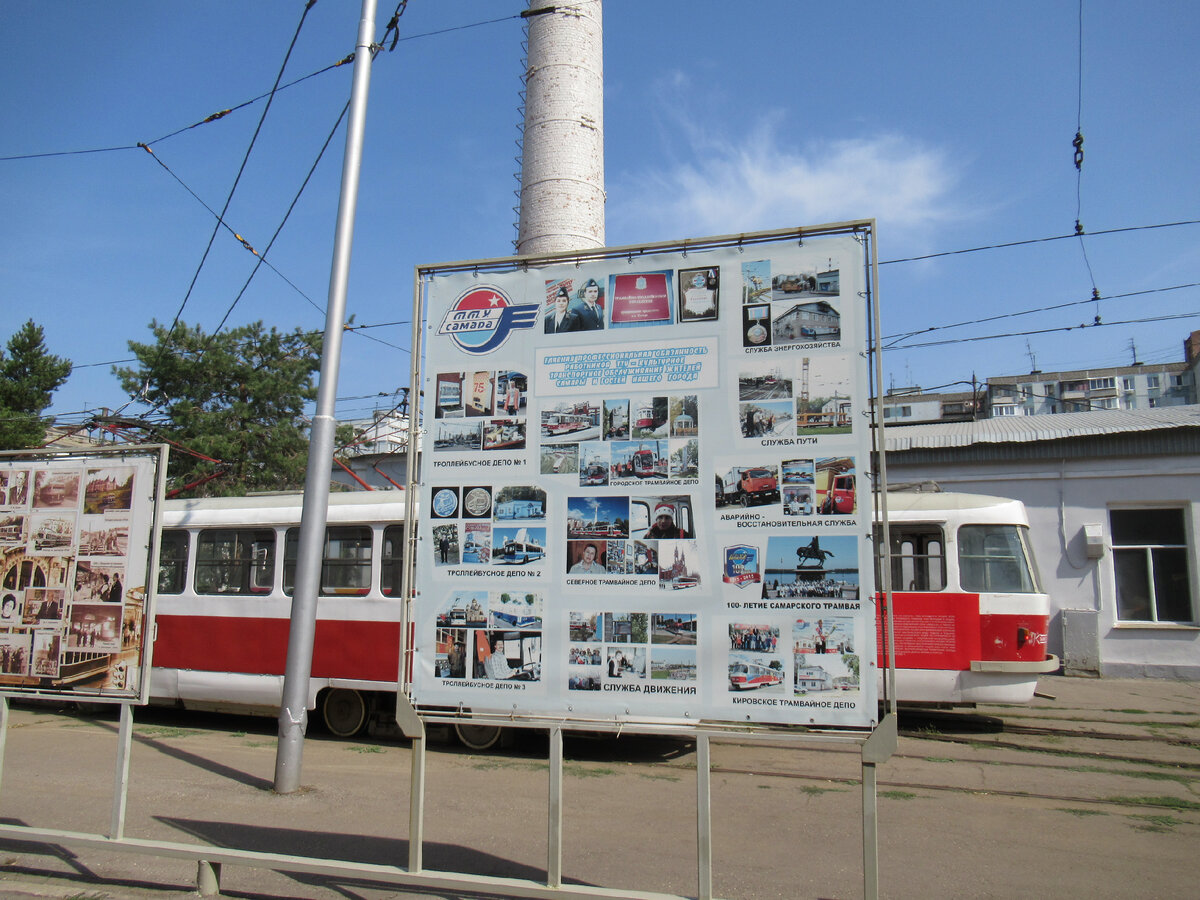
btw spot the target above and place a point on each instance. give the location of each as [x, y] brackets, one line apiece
[562, 159]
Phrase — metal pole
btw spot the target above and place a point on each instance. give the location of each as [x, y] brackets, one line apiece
[3, 731]
[121, 788]
[293, 711]
[554, 836]
[703, 819]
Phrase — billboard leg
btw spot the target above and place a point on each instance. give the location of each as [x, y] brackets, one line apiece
[3, 732]
[554, 838]
[121, 787]
[703, 819]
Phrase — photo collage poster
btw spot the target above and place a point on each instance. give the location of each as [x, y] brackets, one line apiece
[646, 489]
[75, 533]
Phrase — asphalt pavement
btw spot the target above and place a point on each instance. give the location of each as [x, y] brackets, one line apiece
[1093, 793]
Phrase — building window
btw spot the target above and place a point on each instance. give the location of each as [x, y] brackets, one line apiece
[1127, 384]
[1104, 403]
[1150, 558]
[1151, 381]
[1004, 410]
[1101, 384]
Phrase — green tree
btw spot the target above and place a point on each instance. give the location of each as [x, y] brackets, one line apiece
[236, 397]
[29, 375]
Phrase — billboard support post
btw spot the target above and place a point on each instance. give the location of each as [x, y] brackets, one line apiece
[121, 787]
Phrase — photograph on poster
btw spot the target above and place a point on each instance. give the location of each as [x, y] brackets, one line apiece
[765, 379]
[512, 610]
[756, 325]
[685, 459]
[747, 484]
[519, 546]
[626, 628]
[449, 392]
[659, 517]
[477, 502]
[632, 461]
[836, 493]
[521, 501]
[444, 504]
[616, 419]
[464, 609]
[766, 418]
[504, 434]
[131, 624]
[574, 304]
[14, 529]
[650, 417]
[108, 489]
[595, 456]
[456, 434]
[754, 637]
[755, 672]
[47, 652]
[679, 565]
[11, 604]
[15, 655]
[797, 471]
[699, 294]
[829, 407]
[741, 566]
[585, 627]
[507, 655]
[812, 565]
[806, 321]
[823, 635]
[591, 517]
[798, 500]
[558, 317]
[53, 489]
[99, 581]
[14, 487]
[450, 653]
[583, 655]
[676, 664]
[95, 627]
[52, 534]
[616, 558]
[570, 420]
[585, 678]
[477, 543]
[824, 656]
[43, 606]
[559, 459]
[645, 558]
[756, 281]
[102, 536]
[511, 389]
[684, 416]
[641, 298]
[445, 545]
[626, 663]
[673, 628]
[479, 394]
[586, 557]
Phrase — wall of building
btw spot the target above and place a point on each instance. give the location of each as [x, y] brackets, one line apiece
[1061, 499]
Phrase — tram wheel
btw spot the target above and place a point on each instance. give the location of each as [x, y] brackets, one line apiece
[344, 712]
[477, 737]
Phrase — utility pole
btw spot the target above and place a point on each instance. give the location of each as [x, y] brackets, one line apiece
[293, 711]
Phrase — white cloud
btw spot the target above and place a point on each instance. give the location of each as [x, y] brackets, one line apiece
[760, 182]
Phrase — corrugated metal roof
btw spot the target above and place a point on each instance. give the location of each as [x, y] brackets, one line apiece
[1030, 429]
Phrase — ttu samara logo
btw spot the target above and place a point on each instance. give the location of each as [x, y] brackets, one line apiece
[482, 318]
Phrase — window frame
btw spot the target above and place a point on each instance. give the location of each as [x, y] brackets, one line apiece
[331, 566]
[1148, 550]
[249, 563]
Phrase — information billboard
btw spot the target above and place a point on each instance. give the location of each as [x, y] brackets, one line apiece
[76, 541]
[645, 485]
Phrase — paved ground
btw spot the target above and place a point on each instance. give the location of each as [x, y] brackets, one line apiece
[1095, 793]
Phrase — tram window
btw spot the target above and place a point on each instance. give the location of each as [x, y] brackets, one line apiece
[346, 562]
[918, 557]
[393, 560]
[995, 558]
[1150, 559]
[235, 561]
[172, 562]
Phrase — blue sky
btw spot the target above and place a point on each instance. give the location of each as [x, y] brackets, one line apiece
[950, 123]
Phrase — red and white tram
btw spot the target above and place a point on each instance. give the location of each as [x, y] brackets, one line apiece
[970, 615]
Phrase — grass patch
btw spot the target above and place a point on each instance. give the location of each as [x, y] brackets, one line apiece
[256, 744]
[1137, 773]
[1082, 813]
[815, 791]
[238, 734]
[655, 776]
[1160, 823]
[939, 759]
[86, 896]
[492, 762]
[166, 732]
[897, 795]
[1164, 802]
[366, 748]
[588, 772]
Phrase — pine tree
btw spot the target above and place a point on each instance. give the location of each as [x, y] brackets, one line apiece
[29, 375]
[236, 397]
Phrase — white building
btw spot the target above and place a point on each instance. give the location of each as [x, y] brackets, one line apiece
[1085, 390]
[1114, 508]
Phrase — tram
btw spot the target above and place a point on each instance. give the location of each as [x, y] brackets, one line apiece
[565, 423]
[746, 676]
[970, 616]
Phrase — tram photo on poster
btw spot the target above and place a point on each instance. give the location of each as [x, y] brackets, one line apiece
[676, 486]
[76, 534]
